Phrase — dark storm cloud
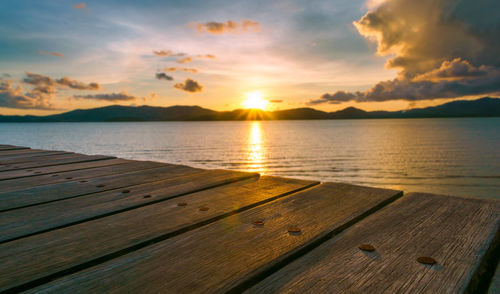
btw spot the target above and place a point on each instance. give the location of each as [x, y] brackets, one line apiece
[108, 97]
[443, 49]
[189, 86]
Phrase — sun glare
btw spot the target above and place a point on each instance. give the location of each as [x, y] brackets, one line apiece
[255, 100]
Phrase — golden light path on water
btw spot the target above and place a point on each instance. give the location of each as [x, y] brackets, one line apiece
[255, 148]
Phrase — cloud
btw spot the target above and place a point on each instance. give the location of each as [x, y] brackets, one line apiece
[80, 6]
[164, 76]
[167, 53]
[189, 86]
[442, 48]
[228, 27]
[276, 101]
[454, 70]
[122, 96]
[207, 56]
[42, 92]
[185, 60]
[15, 97]
[57, 54]
[185, 69]
[41, 81]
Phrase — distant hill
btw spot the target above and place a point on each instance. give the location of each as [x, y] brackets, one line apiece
[484, 107]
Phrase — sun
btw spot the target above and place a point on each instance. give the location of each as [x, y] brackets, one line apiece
[255, 100]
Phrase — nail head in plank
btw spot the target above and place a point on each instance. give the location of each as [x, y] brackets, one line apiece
[45, 255]
[30, 220]
[455, 232]
[64, 190]
[39, 180]
[195, 262]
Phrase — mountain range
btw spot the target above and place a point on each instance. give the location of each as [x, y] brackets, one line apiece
[484, 107]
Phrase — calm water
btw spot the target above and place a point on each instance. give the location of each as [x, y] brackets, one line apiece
[448, 156]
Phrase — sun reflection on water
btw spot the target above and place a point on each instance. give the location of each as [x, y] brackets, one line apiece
[255, 148]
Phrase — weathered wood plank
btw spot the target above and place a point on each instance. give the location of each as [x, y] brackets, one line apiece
[456, 232]
[6, 175]
[30, 182]
[59, 191]
[11, 147]
[13, 163]
[52, 160]
[37, 171]
[28, 157]
[224, 254]
[40, 218]
[33, 260]
[26, 152]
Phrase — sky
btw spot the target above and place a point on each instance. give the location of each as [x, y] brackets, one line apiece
[60, 55]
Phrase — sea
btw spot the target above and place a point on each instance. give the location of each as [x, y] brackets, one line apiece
[453, 156]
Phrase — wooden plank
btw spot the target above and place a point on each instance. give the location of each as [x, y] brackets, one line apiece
[221, 255]
[14, 163]
[28, 156]
[59, 191]
[124, 167]
[53, 160]
[24, 152]
[456, 232]
[6, 175]
[40, 218]
[31, 261]
[11, 147]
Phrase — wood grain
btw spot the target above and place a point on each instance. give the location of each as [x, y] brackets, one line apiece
[220, 256]
[40, 218]
[75, 188]
[456, 232]
[6, 175]
[41, 257]
[26, 153]
[52, 160]
[123, 167]
[9, 161]
[11, 147]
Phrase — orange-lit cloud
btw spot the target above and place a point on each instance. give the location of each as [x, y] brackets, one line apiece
[207, 56]
[57, 54]
[167, 53]
[80, 6]
[229, 26]
[189, 86]
[185, 69]
[185, 60]
[440, 51]
[15, 97]
[122, 96]
[42, 92]
[276, 101]
[39, 80]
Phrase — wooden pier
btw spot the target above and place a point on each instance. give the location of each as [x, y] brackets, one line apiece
[73, 223]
